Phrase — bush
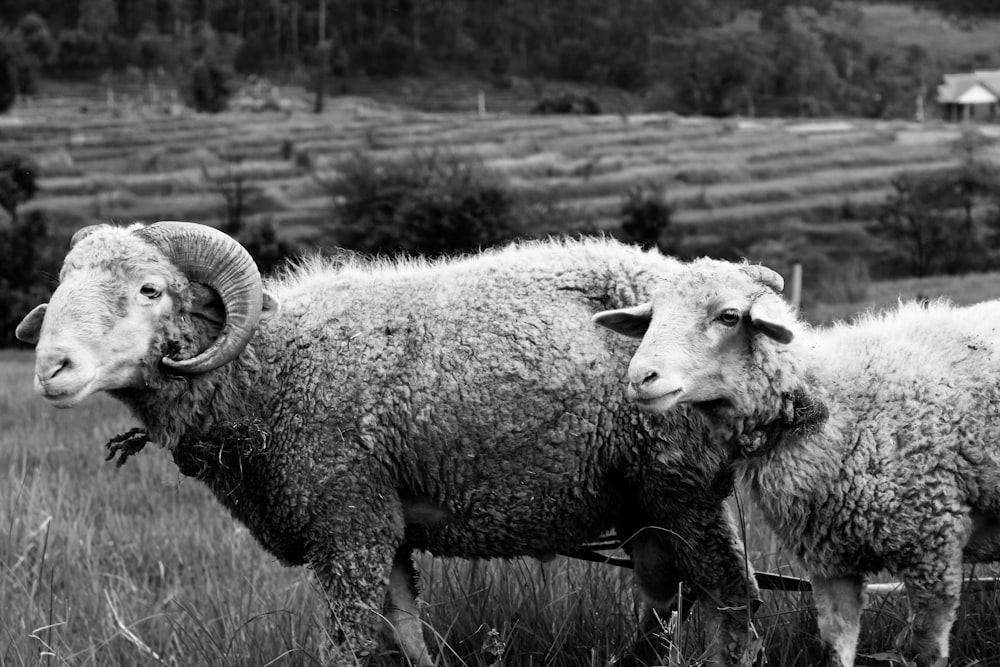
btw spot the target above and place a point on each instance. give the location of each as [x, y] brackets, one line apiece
[208, 88]
[931, 219]
[645, 216]
[8, 73]
[32, 255]
[567, 103]
[262, 242]
[428, 204]
[18, 183]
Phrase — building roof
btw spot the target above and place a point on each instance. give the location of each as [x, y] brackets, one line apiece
[979, 87]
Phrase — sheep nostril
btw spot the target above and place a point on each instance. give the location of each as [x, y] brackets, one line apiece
[649, 378]
[57, 367]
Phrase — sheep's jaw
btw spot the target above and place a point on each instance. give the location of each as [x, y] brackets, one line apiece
[63, 398]
[657, 403]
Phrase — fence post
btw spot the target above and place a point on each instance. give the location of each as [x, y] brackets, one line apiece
[795, 294]
[482, 104]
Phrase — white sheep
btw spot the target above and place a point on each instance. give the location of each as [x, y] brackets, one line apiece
[874, 446]
[465, 407]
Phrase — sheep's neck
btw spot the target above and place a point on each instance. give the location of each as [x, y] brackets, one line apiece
[207, 422]
[781, 402]
[786, 475]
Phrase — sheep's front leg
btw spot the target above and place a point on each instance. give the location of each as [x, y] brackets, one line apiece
[658, 582]
[839, 601]
[933, 587]
[401, 610]
[705, 552]
[355, 540]
[716, 565]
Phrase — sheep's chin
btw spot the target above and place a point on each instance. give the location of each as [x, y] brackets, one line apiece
[661, 403]
[67, 399]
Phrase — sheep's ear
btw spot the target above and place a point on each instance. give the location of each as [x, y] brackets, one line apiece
[767, 319]
[271, 306]
[632, 322]
[30, 327]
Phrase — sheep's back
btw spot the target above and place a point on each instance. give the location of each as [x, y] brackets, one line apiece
[482, 390]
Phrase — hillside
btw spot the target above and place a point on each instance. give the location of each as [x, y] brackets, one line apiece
[950, 39]
[734, 183]
[147, 165]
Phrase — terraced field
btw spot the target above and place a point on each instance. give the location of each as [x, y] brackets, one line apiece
[146, 164]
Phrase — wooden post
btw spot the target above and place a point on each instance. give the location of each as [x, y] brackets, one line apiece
[795, 294]
[482, 104]
[323, 55]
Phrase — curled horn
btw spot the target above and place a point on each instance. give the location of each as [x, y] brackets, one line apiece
[83, 233]
[764, 275]
[213, 258]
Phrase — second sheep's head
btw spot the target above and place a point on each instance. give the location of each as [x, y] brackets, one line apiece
[700, 333]
[126, 306]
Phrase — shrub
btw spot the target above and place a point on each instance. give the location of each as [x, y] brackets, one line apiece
[8, 73]
[430, 204]
[208, 88]
[33, 253]
[262, 242]
[930, 218]
[567, 103]
[17, 182]
[645, 216]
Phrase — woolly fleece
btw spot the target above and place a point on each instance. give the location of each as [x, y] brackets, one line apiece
[465, 407]
[904, 475]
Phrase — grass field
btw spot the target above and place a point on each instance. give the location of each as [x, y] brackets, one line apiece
[139, 565]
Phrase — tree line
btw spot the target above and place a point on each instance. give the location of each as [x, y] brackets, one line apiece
[716, 57]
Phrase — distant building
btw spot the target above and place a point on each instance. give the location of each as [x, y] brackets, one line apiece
[970, 95]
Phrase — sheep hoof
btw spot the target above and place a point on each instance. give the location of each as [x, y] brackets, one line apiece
[125, 445]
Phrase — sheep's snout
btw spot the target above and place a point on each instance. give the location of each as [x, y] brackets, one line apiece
[652, 389]
[61, 378]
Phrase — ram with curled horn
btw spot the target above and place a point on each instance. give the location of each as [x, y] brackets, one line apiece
[465, 407]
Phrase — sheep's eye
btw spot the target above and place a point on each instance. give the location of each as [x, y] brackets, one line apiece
[150, 291]
[730, 317]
